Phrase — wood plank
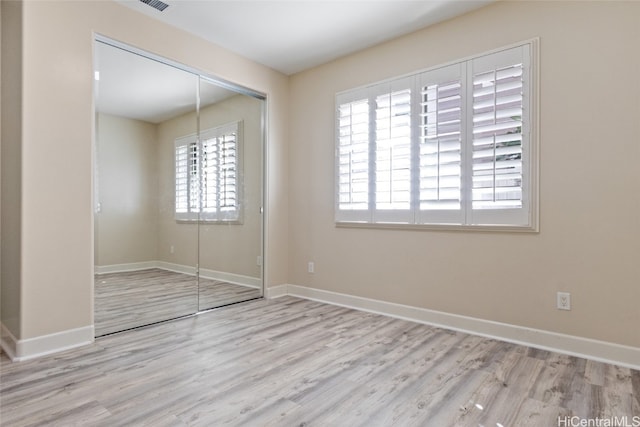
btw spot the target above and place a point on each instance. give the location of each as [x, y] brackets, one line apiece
[135, 298]
[292, 362]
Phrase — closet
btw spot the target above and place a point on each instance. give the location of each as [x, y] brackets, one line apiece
[178, 185]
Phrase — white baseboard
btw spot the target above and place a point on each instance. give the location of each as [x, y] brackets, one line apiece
[30, 348]
[121, 268]
[236, 279]
[276, 291]
[8, 341]
[176, 268]
[587, 348]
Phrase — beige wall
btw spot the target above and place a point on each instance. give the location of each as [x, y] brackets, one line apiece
[57, 205]
[11, 153]
[182, 236]
[590, 228]
[589, 240]
[127, 185]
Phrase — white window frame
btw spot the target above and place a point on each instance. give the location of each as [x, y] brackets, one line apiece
[522, 218]
[190, 180]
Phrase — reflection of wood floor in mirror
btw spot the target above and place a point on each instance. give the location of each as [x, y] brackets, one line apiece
[215, 293]
[136, 298]
[293, 362]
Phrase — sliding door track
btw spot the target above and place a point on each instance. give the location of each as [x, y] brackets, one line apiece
[186, 316]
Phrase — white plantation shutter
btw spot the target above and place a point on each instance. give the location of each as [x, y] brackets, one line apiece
[182, 180]
[441, 130]
[499, 141]
[220, 165]
[208, 177]
[451, 145]
[229, 172]
[192, 169]
[352, 158]
[209, 182]
[393, 152]
[186, 179]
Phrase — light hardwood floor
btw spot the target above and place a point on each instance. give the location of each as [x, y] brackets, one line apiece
[136, 298]
[216, 293]
[294, 362]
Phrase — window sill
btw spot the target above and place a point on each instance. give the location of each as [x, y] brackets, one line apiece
[208, 222]
[440, 227]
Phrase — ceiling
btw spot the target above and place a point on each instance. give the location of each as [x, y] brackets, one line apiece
[294, 35]
[134, 86]
[289, 36]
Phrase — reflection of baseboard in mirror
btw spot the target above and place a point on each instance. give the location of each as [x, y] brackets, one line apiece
[236, 279]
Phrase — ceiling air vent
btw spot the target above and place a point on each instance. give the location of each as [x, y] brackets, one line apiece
[156, 4]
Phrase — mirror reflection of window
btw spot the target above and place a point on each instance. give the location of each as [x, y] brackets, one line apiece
[207, 176]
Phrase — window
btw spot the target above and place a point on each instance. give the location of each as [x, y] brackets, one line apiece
[449, 146]
[207, 175]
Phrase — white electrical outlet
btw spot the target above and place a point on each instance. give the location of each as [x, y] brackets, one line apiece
[563, 301]
[171, 249]
[311, 267]
[259, 261]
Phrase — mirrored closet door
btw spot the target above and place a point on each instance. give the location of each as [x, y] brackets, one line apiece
[178, 191]
[230, 236]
